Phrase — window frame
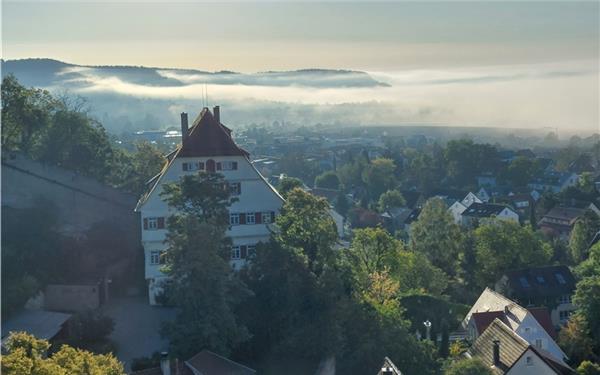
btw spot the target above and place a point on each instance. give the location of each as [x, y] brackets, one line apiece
[152, 223]
[266, 217]
[250, 215]
[237, 190]
[236, 253]
[231, 219]
[155, 257]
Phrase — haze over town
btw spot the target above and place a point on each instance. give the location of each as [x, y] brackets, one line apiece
[517, 65]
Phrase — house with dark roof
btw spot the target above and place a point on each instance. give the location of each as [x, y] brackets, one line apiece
[554, 182]
[205, 363]
[505, 352]
[208, 147]
[531, 325]
[550, 286]
[559, 221]
[486, 212]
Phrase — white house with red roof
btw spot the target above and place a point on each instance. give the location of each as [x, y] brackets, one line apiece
[208, 146]
[533, 325]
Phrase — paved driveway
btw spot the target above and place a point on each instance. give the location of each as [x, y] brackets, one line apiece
[137, 327]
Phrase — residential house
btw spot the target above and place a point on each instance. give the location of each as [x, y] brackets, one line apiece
[518, 319]
[505, 352]
[486, 212]
[456, 210]
[559, 221]
[554, 182]
[205, 363]
[483, 195]
[208, 147]
[549, 286]
[389, 368]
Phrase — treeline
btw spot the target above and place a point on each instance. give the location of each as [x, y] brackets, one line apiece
[60, 131]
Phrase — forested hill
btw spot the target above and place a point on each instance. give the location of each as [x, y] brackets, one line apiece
[48, 72]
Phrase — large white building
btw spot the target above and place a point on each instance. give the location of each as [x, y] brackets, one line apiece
[207, 146]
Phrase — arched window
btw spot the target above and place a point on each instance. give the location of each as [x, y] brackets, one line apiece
[210, 165]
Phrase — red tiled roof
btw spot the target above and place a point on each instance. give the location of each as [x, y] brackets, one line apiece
[208, 137]
[542, 315]
[484, 319]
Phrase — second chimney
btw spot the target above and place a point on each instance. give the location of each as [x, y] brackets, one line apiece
[217, 113]
[184, 126]
[496, 352]
[165, 365]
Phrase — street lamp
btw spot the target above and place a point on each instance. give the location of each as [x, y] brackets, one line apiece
[427, 325]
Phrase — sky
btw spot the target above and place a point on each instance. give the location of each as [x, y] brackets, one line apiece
[441, 54]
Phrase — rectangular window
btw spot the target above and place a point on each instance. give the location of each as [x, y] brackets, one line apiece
[192, 166]
[563, 316]
[250, 218]
[235, 252]
[266, 217]
[529, 361]
[152, 223]
[229, 165]
[234, 219]
[235, 188]
[156, 257]
[251, 250]
[565, 298]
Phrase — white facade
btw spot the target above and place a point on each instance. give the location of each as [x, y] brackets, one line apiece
[530, 363]
[519, 320]
[456, 211]
[250, 217]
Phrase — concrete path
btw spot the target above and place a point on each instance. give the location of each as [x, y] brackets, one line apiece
[137, 327]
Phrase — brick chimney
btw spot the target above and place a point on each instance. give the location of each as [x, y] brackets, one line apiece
[184, 126]
[217, 113]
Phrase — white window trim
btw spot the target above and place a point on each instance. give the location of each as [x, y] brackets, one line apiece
[251, 215]
[152, 223]
[155, 257]
[234, 219]
[266, 217]
[236, 253]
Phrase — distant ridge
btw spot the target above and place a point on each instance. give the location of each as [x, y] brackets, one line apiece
[46, 71]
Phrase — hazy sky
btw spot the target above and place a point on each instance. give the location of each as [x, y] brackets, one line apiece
[264, 36]
[521, 64]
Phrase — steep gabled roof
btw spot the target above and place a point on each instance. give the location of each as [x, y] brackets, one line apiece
[388, 367]
[208, 137]
[483, 319]
[512, 346]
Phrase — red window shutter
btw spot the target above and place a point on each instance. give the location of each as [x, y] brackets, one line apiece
[272, 216]
[243, 251]
[161, 223]
[242, 218]
[219, 167]
[258, 216]
[145, 223]
[234, 165]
